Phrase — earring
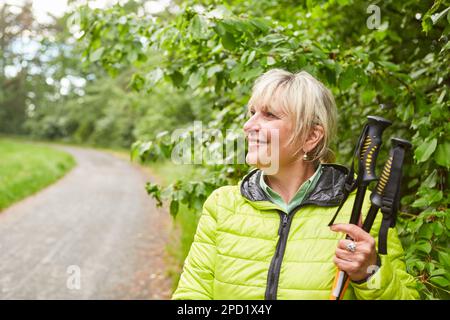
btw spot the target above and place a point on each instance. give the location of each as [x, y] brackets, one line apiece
[305, 156]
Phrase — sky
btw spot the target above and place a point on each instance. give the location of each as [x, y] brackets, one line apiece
[41, 8]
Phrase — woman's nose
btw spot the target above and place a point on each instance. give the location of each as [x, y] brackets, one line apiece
[252, 124]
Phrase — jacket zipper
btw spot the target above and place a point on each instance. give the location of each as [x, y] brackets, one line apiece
[275, 266]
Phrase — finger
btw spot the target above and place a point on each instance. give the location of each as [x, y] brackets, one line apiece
[356, 258]
[360, 222]
[344, 265]
[352, 230]
[343, 244]
[344, 255]
[362, 248]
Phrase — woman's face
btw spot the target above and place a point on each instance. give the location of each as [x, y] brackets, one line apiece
[268, 132]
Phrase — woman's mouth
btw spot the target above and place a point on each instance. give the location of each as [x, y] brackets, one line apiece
[256, 142]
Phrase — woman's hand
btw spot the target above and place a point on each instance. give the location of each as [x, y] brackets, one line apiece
[356, 264]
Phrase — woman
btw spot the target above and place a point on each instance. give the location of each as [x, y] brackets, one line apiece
[267, 237]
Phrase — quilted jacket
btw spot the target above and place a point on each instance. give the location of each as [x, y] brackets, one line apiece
[245, 247]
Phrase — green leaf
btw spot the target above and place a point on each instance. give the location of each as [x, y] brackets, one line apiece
[137, 82]
[196, 27]
[144, 147]
[430, 181]
[195, 79]
[425, 150]
[430, 267]
[368, 95]
[229, 25]
[388, 88]
[417, 73]
[155, 192]
[96, 55]
[252, 73]
[429, 196]
[228, 41]
[134, 154]
[177, 78]
[213, 70]
[435, 196]
[261, 24]
[426, 231]
[220, 29]
[427, 23]
[174, 205]
[251, 56]
[200, 188]
[153, 77]
[446, 47]
[347, 78]
[440, 281]
[270, 61]
[161, 134]
[390, 66]
[442, 154]
[438, 228]
[423, 246]
[438, 272]
[237, 73]
[420, 265]
[444, 259]
[421, 202]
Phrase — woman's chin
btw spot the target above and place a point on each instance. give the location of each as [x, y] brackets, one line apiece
[251, 159]
[269, 167]
[255, 161]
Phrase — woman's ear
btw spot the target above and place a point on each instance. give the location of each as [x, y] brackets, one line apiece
[316, 134]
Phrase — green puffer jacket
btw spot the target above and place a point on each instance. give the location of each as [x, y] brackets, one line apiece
[245, 247]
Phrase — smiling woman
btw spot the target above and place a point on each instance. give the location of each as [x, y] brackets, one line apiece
[268, 236]
[26, 168]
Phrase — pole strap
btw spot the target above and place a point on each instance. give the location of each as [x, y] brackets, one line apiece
[390, 201]
[350, 182]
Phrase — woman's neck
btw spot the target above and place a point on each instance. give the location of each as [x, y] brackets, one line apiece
[289, 178]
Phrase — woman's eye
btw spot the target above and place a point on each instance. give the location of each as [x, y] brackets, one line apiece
[271, 115]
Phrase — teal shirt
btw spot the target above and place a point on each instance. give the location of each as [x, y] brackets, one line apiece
[304, 189]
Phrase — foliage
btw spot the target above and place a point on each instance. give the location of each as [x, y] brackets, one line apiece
[26, 168]
[54, 96]
[110, 114]
[399, 70]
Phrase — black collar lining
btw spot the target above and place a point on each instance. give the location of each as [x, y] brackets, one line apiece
[327, 192]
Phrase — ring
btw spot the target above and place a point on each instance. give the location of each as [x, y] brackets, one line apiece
[351, 246]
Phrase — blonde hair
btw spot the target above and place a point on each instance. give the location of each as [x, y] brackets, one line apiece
[303, 98]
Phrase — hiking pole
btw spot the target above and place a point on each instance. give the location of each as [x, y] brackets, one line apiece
[366, 168]
[368, 147]
[374, 127]
[386, 194]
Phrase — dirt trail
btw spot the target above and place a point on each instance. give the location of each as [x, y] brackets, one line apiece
[97, 223]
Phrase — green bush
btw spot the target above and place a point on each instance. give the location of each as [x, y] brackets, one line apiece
[397, 70]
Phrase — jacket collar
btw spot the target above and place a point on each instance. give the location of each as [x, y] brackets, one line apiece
[328, 191]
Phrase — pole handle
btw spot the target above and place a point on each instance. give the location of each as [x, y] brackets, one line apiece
[371, 147]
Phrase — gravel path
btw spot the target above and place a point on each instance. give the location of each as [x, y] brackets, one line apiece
[94, 234]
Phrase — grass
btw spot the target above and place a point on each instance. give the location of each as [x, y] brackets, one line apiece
[185, 223]
[26, 168]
